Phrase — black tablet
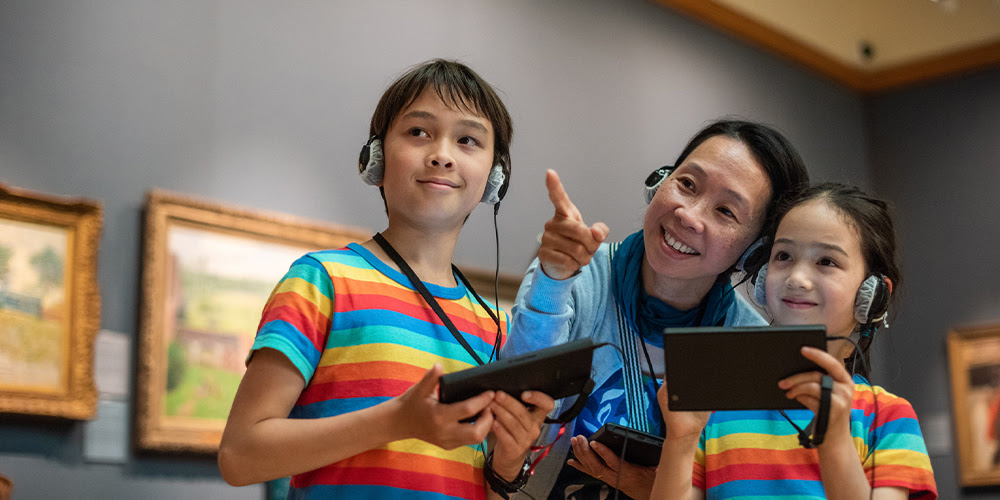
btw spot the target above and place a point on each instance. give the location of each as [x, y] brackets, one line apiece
[641, 448]
[558, 371]
[736, 368]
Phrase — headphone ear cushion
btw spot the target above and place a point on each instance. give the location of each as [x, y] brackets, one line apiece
[751, 253]
[496, 186]
[872, 301]
[760, 287]
[371, 163]
[654, 180]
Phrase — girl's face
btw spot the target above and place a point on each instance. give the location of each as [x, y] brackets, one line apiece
[707, 212]
[815, 270]
[437, 160]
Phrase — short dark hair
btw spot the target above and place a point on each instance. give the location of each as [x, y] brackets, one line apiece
[457, 85]
[781, 161]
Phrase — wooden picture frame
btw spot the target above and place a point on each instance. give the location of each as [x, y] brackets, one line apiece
[974, 357]
[207, 271]
[50, 306]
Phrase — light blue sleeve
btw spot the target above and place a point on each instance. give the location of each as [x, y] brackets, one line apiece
[741, 313]
[541, 313]
[550, 312]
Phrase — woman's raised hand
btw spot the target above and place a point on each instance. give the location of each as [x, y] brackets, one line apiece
[568, 243]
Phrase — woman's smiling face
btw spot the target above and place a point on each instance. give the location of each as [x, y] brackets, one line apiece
[705, 215]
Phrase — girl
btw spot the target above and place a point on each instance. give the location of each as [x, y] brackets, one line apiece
[833, 261]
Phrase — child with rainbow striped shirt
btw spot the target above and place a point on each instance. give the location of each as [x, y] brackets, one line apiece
[832, 261]
[340, 387]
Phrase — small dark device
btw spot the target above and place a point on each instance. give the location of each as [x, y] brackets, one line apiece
[736, 368]
[558, 371]
[641, 448]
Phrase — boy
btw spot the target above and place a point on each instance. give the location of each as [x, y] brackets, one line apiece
[340, 386]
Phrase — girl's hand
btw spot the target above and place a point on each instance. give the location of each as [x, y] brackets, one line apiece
[420, 415]
[805, 388]
[515, 428]
[681, 424]
[567, 243]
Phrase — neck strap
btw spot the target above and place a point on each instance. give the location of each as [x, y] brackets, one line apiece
[431, 301]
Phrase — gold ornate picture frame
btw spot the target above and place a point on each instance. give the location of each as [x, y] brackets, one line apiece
[974, 357]
[50, 306]
[207, 271]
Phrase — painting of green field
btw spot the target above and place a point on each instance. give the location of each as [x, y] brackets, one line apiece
[219, 284]
[34, 327]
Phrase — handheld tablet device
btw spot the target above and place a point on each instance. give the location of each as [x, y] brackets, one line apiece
[558, 371]
[737, 368]
[641, 448]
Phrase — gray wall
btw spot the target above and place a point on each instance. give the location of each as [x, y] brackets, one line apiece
[265, 105]
[935, 152]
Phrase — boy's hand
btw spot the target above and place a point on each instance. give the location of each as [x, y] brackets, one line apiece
[423, 417]
[805, 388]
[567, 243]
[516, 427]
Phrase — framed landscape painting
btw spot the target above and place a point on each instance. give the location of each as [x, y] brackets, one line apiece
[208, 269]
[49, 303]
[974, 356]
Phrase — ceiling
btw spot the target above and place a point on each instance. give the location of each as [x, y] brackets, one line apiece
[867, 45]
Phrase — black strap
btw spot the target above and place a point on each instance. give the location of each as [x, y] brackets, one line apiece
[820, 422]
[503, 487]
[823, 416]
[494, 317]
[419, 285]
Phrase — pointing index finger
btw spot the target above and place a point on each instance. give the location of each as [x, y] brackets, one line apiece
[560, 200]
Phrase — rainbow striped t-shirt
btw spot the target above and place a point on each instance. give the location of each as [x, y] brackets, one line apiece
[360, 335]
[756, 454]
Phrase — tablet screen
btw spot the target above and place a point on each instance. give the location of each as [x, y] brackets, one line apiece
[736, 368]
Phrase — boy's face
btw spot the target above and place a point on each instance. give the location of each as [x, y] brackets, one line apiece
[437, 160]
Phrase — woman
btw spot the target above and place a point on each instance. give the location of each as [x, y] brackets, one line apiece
[702, 217]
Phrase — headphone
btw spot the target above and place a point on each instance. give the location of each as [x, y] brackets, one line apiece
[871, 304]
[371, 168]
[655, 179]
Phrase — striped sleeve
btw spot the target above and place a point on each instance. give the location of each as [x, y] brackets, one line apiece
[296, 318]
[898, 456]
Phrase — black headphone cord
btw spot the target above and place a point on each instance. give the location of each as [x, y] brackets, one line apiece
[867, 335]
[496, 284]
[621, 459]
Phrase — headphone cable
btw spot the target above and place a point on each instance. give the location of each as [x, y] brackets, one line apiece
[496, 284]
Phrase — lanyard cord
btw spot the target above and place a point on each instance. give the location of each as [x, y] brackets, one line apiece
[431, 301]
